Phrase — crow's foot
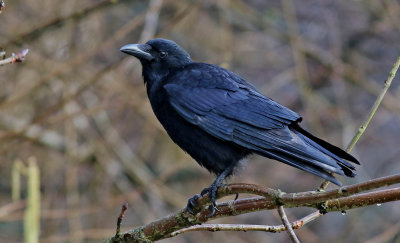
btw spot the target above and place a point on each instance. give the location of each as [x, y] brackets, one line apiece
[191, 204]
[212, 192]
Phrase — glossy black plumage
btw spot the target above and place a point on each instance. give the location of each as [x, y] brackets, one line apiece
[219, 118]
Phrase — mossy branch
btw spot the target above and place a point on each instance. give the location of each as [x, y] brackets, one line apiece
[343, 198]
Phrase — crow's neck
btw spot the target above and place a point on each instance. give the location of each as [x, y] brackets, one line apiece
[152, 78]
[154, 73]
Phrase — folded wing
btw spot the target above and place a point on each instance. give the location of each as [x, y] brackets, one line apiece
[225, 106]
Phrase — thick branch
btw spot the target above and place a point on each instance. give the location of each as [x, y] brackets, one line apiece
[334, 200]
[310, 197]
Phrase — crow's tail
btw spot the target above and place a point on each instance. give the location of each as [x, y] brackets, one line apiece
[294, 146]
[331, 148]
[337, 153]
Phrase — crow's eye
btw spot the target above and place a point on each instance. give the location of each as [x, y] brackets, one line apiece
[162, 54]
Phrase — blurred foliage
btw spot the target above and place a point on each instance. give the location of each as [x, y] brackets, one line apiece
[79, 106]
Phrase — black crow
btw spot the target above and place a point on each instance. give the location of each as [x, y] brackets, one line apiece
[218, 118]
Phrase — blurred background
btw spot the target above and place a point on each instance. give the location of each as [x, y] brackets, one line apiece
[77, 109]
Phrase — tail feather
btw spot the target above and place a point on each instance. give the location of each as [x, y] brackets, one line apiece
[294, 146]
[346, 167]
[331, 148]
[295, 162]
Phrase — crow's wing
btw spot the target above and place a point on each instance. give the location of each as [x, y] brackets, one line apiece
[225, 106]
[221, 95]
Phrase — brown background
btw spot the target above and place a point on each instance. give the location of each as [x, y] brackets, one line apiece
[79, 106]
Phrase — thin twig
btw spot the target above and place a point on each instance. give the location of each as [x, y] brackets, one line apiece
[374, 108]
[287, 224]
[246, 227]
[19, 57]
[121, 216]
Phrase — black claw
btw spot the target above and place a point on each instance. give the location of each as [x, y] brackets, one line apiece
[205, 191]
[212, 209]
[212, 193]
[236, 197]
[212, 190]
[192, 203]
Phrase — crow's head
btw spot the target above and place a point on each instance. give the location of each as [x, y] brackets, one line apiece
[158, 56]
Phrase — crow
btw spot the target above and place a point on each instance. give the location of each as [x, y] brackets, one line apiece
[218, 118]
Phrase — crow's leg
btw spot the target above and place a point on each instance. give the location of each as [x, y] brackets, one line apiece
[212, 192]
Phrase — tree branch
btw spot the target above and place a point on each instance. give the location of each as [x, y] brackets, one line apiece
[2, 5]
[119, 220]
[243, 227]
[37, 31]
[287, 225]
[344, 198]
[19, 57]
[371, 113]
[374, 108]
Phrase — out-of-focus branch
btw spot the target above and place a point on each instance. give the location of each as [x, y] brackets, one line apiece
[19, 57]
[2, 5]
[344, 198]
[57, 21]
[302, 76]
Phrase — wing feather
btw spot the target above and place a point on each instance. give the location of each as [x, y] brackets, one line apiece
[225, 106]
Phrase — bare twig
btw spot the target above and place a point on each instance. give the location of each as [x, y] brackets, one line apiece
[121, 216]
[37, 31]
[374, 108]
[19, 57]
[243, 227]
[287, 225]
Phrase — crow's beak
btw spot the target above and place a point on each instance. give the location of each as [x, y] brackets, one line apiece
[140, 51]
